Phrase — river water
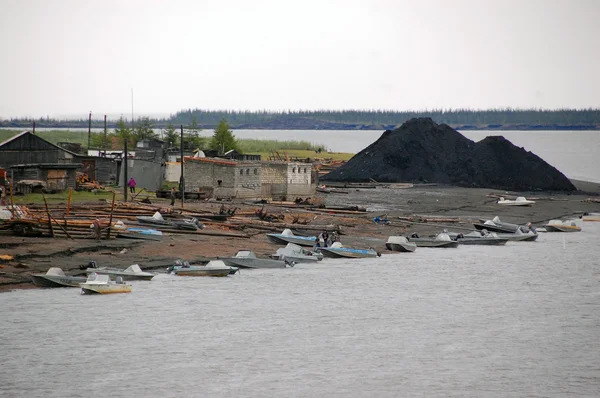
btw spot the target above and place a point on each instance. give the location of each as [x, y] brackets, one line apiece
[513, 321]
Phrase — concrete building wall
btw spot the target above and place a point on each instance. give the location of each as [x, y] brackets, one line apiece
[299, 180]
[274, 179]
[172, 171]
[147, 174]
[248, 180]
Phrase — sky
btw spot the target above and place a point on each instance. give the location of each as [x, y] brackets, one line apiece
[65, 58]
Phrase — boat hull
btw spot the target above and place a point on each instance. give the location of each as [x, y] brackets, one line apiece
[333, 252]
[398, 247]
[57, 281]
[562, 228]
[519, 238]
[284, 240]
[253, 263]
[200, 272]
[421, 242]
[103, 289]
[483, 241]
[124, 275]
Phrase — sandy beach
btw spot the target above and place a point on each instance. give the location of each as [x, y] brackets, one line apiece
[456, 208]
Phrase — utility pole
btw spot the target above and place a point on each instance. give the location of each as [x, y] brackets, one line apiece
[182, 179]
[33, 128]
[105, 136]
[89, 131]
[124, 167]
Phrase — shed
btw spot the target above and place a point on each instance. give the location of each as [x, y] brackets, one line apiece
[28, 148]
[51, 176]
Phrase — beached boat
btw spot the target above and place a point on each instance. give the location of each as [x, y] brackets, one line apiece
[101, 284]
[520, 201]
[400, 244]
[191, 224]
[247, 259]
[590, 217]
[297, 254]
[141, 233]
[131, 273]
[337, 250]
[326, 189]
[441, 240]
[523, 234]
[212, 268]
[496, 225]
[478, 238]
[55, 277]
[562, 226]
[287, 236]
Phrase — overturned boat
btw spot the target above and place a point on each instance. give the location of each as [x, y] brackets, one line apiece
[287, 236]
[141, 233]
[440, 240]
[400, 244]
[55, 277]
[247, 259]
[495, 225]
[337, 250]
[101, 284]
[133, 272]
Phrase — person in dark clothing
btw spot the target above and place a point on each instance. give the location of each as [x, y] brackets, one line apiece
[172, 196]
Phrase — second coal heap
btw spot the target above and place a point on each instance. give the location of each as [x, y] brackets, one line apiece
[422, 151]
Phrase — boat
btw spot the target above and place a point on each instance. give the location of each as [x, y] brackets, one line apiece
[478, 238]
[520, 201]
[495, 225]
[287, 236]
[141, 233]
[400, 244]
[55, 277]
[562, 226]
[326, 189]
[337, 250]
[212, 268]
[101, 284]
[247, 259]
[297, 254]
[522, 234]
[590, 217]
[131, 273]
[440, 240]
[191, 224]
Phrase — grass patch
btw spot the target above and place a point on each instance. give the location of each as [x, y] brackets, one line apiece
[303, 154]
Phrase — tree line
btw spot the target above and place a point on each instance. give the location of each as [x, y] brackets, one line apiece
[376, 119]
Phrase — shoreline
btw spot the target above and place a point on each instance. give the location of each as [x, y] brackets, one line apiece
[465, 205]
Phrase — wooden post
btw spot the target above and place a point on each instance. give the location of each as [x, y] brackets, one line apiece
[49, 220]
[182, 179]
[69, 201]
[12, 201]
[112, 209]
[60, 226]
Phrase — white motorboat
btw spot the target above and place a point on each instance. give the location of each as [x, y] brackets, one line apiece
[297, 254]
[591, 217]
[400, 244]
[520, 201]
[101, 284]
[133, 272]
[562, 226]
[287, 236]
[482, 237]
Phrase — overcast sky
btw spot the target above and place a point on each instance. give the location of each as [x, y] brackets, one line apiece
[68, 57]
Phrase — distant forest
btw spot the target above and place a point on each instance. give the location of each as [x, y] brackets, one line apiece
[519, 119]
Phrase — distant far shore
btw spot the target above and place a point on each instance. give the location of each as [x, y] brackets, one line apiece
[314, 125]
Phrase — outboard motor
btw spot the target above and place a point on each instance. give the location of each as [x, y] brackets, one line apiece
[92, 264]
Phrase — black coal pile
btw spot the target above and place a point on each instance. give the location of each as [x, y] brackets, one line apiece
[422, 151]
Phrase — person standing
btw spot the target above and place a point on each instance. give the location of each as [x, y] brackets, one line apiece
[131, 184]
[172, 196]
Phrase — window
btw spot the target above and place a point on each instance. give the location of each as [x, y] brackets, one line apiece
[255, 171]
[294, 169]
[247, 172]
[305, 170]
[241, 172]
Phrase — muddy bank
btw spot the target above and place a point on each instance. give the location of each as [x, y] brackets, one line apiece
[462, 205]
[423, 151]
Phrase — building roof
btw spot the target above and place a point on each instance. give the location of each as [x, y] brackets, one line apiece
[38, 137]
[47, 166]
